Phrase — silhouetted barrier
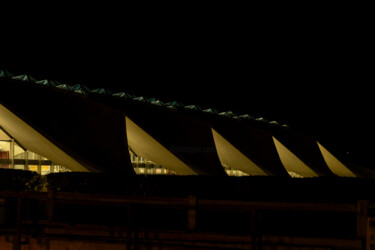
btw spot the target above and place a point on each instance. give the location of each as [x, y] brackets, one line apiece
[125, 218]
[267, 188]
[258, 210]
[19, 180]
[261, 188]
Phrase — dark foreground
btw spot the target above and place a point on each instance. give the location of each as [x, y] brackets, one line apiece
[84, 211]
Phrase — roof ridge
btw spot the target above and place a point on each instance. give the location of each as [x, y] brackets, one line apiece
[84, 90]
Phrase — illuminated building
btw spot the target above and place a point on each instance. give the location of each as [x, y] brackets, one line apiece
[50, 127]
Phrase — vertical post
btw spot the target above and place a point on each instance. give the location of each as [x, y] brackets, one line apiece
[253, 230]
[362, 219]
[17, 235]
[50, 204]
[129, 226]
[370, 238]
[11, 151]
[28, 207]
[39, 169]
[26, 160]
[192, 212]
[259, 230]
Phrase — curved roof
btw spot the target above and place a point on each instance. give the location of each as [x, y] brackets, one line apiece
[191, 140]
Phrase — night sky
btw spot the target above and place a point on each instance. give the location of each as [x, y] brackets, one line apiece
[311, 74]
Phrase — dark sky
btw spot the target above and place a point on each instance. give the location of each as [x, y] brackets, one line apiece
[310, 73]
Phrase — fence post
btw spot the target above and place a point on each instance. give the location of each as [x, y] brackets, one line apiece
[362, 219]
[50, 205]
[192, 212]
[129, 226]
[17, 235]
[253, 229]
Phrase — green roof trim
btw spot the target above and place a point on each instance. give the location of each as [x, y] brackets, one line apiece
[102, 91]
[261, 119]
[80, 89]
[5, 74]
[275, 123]
[228, 114]
[84, 90]
[157, 102]
[25, 78]
[48, 83]
[174, 104]
[141, 99]
[246, 117]
[123, 95]
[193, 107]
[212, 111]
[65, 87]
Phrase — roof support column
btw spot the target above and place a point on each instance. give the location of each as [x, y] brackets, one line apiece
[11, 153]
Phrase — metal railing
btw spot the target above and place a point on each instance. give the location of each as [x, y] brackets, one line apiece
[50, 202]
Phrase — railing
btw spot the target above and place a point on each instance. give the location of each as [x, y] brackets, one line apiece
[130, 232]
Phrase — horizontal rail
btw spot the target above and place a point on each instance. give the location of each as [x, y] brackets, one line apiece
[147, 200]
[104, 199]
[267, 205]
[130, 232]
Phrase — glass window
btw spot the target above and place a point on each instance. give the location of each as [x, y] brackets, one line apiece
[4, 154]
[32, 156]
[142, 165]
[12, 155]
[4, 149]
[45, 169]
[33, 168]
[19, 153]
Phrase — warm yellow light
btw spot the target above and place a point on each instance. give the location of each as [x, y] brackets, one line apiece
[336, 166]
[232, 157]
[291, 162]
[146, 146]
[34, 141]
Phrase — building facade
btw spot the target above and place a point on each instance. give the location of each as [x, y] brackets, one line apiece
[48, 127]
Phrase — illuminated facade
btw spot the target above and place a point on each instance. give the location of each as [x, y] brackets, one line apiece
[13, 156]
[143, 166]
[78, 129]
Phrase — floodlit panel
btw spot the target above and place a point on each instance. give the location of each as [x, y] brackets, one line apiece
[291, 162]
[146, 146]
[4, 146]
[4, 136]
[17, 150]
[34, 141]
[232, 157]
[336, 166]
